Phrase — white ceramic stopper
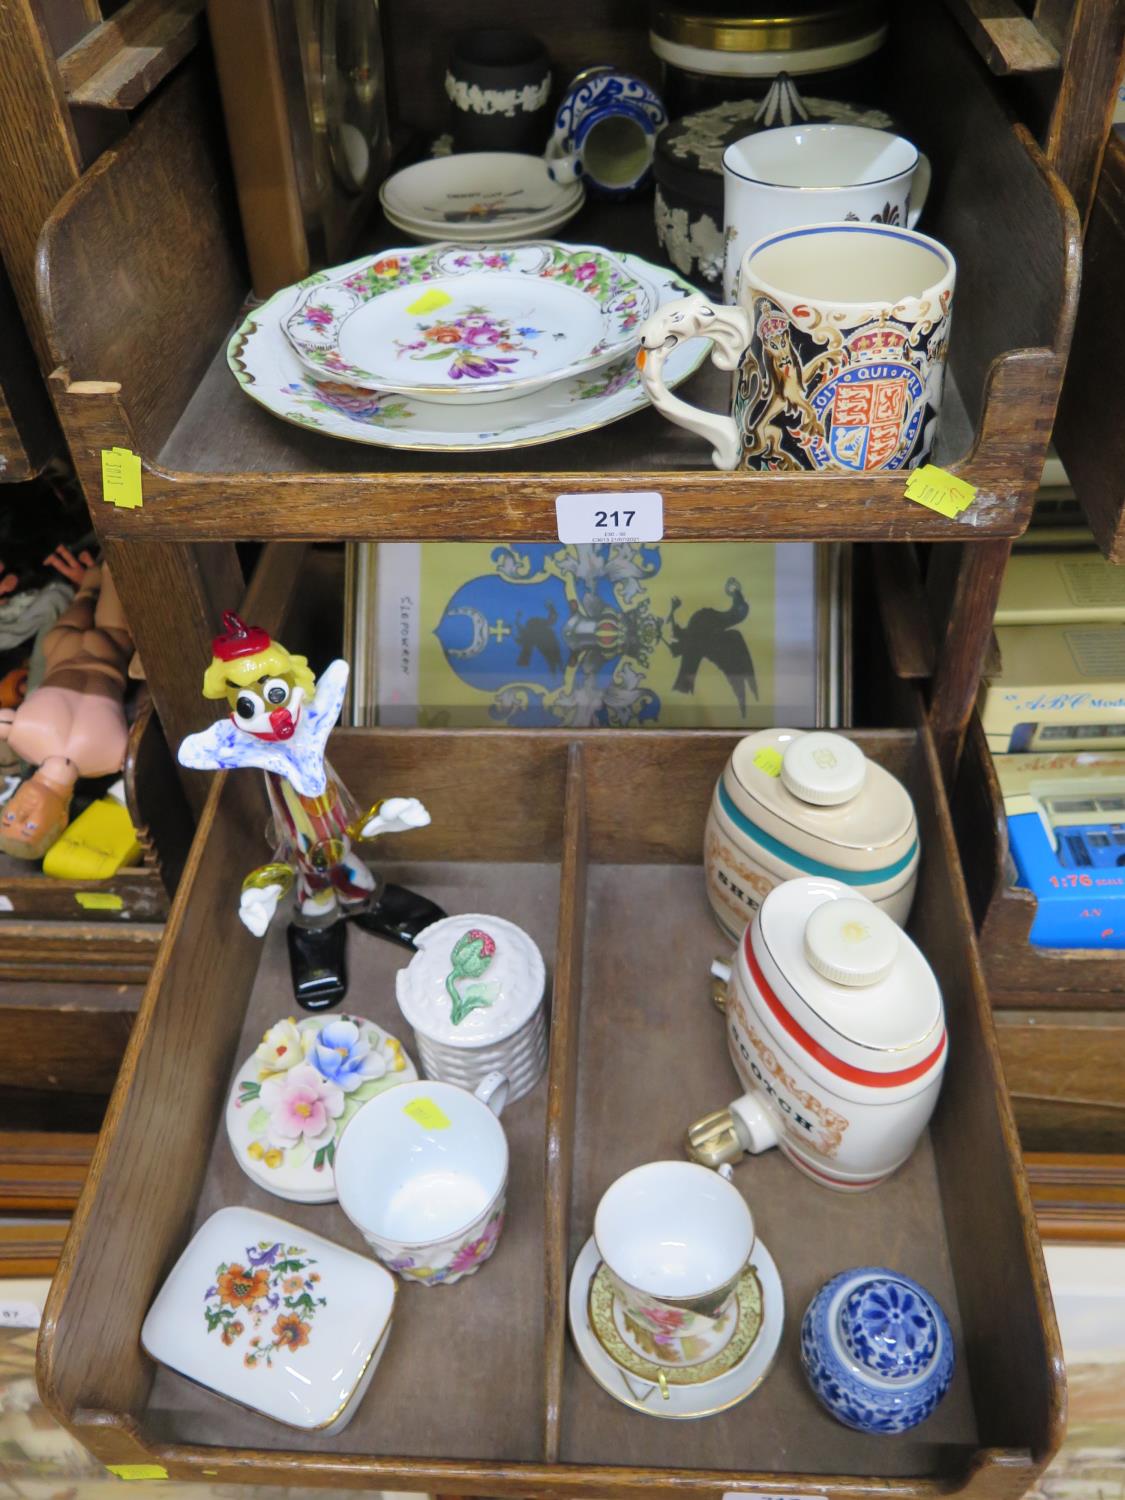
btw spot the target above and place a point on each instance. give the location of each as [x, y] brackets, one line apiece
[825, 769]
[851, 942]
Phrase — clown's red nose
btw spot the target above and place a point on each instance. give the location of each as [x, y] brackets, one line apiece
[281, 722]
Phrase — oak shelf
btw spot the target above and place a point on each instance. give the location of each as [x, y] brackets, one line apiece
[494, 1400]
[145, 367]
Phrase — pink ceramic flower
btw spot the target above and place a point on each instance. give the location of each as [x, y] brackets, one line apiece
[587, 270]
[303, 1106]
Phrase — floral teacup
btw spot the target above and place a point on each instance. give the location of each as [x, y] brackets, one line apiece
[675, 1239]
[422, 1172]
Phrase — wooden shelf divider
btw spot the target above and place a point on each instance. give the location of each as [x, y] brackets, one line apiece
[119, 62]
[1006, 36]
[562, 1083]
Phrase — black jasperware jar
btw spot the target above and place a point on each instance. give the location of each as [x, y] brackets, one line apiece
[499, 85]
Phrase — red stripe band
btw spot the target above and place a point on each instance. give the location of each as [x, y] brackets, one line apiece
[822, 1055]
[803, 1165]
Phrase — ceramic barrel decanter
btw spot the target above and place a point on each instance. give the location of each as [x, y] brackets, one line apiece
[790, 803]
[836, 1027]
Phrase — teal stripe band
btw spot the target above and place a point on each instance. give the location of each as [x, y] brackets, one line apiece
[802, 861]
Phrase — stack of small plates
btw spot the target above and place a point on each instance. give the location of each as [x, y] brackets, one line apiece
[452, 347]
[496, 196]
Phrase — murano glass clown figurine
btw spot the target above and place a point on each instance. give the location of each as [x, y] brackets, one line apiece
[280, 719]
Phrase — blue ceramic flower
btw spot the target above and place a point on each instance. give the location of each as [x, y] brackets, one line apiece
[341, 1055]
[877, 1350]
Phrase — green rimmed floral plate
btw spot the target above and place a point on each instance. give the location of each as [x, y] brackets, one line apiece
[270, 374]
[469, 323]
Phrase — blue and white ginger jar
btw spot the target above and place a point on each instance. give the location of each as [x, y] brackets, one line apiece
[877, 1350]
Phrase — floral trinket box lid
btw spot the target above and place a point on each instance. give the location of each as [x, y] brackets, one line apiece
[273, 1317]
[473, 981]
[291, 1099]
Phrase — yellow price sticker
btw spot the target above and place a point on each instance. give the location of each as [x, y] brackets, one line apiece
[768, 760]
[939, 490]
[427, 1114]
[430, 302]
[138, 1471]
[121, 478]
[98, 900]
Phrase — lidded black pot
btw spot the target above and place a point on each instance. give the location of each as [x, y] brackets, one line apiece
[717, 50]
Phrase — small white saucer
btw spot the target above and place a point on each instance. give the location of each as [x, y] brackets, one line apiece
[683, 1401]
[479, 195]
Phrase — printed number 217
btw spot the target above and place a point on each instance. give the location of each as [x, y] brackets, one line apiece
[614, 518]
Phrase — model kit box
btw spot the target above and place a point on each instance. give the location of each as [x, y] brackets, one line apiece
[1063, 588]
[1066, 832]
[1059, 687]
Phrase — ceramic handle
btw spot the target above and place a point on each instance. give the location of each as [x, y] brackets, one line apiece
[563, 167]
[919, 190]
[493, 1091]
[729, 330]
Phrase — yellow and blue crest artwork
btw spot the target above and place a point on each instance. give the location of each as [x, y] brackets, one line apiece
[596, 636]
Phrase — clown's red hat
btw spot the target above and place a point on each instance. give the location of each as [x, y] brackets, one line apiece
[240, 640]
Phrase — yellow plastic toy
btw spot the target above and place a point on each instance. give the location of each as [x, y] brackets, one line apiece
[100, 841]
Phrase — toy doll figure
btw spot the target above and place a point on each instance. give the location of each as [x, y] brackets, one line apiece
[280, 719]
[73, 723]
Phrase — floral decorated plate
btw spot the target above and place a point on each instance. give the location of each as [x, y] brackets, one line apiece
[290, 1101]
[458, 322]
[270, 373]
[671, 1400]
[479, 195]
[273, 1317]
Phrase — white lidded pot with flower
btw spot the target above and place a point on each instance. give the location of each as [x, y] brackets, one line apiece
[474, 993]
[836, 1027]
[291, 1099]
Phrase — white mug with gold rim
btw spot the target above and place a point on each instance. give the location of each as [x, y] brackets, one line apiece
[817, 174]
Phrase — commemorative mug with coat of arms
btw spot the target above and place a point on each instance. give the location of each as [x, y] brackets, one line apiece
[839, 341]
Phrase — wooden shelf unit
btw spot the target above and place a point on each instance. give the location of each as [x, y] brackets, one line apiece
[139, 357]
[140, 363]
[561, 836]
[152, 375]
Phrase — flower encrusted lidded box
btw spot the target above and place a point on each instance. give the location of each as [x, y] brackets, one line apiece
[273, 1317]
[292, 1098]
[474, 994]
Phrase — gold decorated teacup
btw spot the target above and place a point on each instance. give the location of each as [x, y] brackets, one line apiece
[675, 1239]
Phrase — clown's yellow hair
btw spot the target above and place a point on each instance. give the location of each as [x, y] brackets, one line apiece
[273, 662]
